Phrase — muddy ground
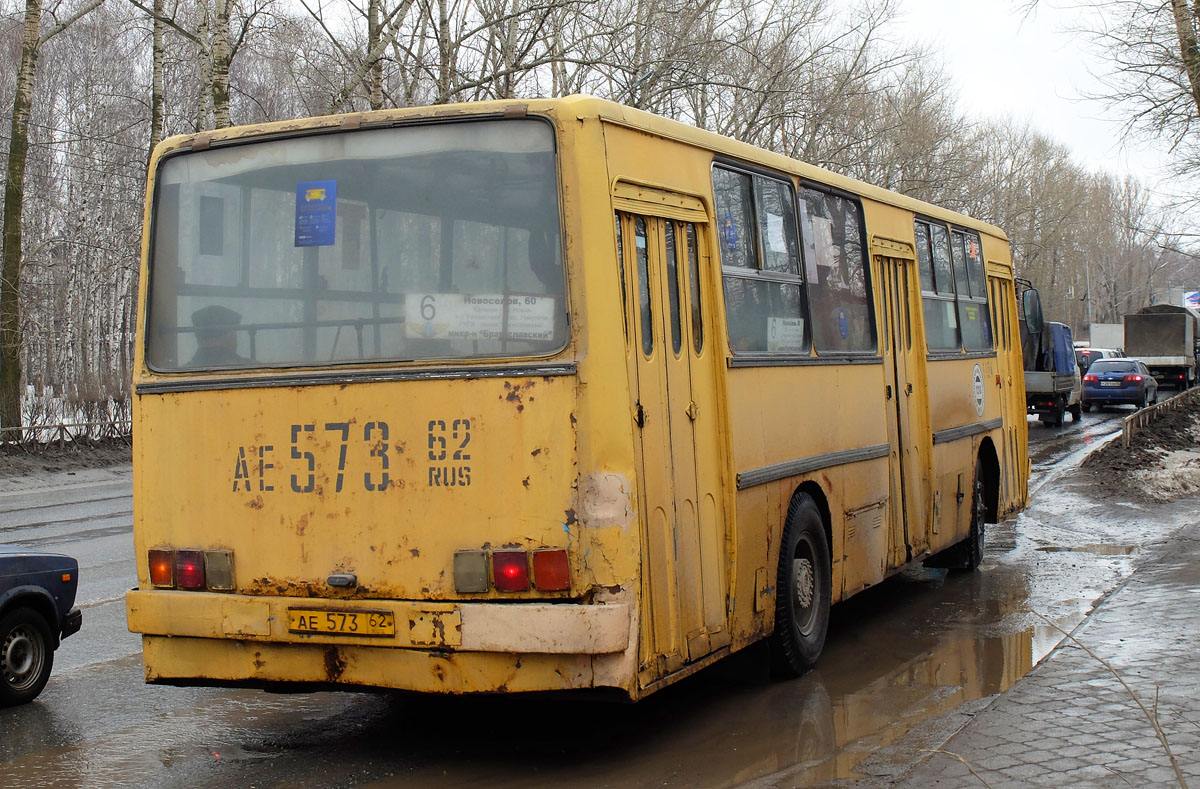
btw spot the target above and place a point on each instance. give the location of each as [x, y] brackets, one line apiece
[16, 461]
[1161, 463]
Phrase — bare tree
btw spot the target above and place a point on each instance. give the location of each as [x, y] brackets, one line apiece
[14, 198]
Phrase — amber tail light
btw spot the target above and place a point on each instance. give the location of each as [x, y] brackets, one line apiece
[162, 568]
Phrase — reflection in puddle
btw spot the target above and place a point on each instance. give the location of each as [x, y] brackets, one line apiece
[1098, 550]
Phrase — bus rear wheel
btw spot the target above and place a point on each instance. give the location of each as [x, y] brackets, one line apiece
[803, 591]
[972, 547]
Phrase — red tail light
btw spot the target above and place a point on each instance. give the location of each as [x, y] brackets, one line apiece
[1133, 378]
[189, 569]
[162, 567]
[1091, 378]
[551, 573]
[510, 571]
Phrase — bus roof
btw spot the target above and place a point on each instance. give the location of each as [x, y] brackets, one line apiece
[588, 106]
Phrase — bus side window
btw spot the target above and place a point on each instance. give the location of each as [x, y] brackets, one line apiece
[937, 286]
[643, 283]
[621, 274]
[760, 262]
[972, 299]
[694, 278]
[673, 287]
[835, 267]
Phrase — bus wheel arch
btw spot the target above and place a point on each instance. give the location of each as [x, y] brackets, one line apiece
[803, 586]
[988, 463]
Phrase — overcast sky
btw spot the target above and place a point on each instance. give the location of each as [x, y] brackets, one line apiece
[1030, 69]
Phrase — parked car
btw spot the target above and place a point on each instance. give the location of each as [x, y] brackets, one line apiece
[1115, 381]
[37, 598]
[1085, 356]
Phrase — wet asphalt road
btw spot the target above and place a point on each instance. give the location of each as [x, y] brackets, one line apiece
[903, 664]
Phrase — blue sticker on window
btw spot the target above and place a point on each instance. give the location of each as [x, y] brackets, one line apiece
[843, 322]
[731, 236]
[316, 213]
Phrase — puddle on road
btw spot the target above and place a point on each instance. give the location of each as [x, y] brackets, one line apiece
[1096, 549]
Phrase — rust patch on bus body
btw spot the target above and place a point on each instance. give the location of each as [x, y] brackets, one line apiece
[335, 664]
[287, 587]
[517, 393]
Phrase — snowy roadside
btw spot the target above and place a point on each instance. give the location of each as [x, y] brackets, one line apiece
[18, 462]
[1161, 464]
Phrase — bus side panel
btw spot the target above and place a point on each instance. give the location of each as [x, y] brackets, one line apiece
[962, 392]
[793, 413]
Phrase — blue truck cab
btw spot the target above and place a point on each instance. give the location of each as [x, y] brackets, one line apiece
[37, 611]
[1053, 383]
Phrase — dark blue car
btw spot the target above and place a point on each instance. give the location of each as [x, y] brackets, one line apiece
[1119, 381]
[37, 598]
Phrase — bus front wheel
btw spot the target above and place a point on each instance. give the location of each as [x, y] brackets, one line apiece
[803, 591]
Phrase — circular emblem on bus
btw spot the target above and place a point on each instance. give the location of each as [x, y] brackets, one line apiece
[977, 389]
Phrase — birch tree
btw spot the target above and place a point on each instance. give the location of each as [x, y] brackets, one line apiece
[14, 198]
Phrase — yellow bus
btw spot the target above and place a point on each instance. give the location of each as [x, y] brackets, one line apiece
[545, 395]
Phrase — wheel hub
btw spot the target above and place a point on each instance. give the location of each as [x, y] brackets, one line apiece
[19, 658]
[802, 571]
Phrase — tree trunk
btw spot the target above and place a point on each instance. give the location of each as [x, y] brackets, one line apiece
[156, 79]
[445, 77]
[220, 63]
[14, 199]
[375, 75]
[1187, 21]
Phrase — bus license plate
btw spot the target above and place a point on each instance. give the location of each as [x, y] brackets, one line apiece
[341, 623]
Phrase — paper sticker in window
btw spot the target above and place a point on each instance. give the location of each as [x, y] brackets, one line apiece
[823, 235]
[465, 316]
[775, 239]
[785, 334]
[316, 213]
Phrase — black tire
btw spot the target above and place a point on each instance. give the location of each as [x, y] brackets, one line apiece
[967, 554]
[803, 591]
[972, 547]
[1056, 415]
[1076, 412]
[26, 656]
[1141, 403]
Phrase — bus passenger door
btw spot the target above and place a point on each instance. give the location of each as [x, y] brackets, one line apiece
[1012, 398]
[678, 472]
[907, 413]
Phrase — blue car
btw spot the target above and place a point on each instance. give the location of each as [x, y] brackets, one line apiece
[37, 599]
[1119, 381]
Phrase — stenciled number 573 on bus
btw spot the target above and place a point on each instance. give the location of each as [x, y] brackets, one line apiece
[545, 395]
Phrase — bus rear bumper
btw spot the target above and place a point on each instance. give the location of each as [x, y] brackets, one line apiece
[207, 638]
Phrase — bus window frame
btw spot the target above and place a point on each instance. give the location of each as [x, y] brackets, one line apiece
[984, 302]
[870, 294]
[952, 295]
[203, 142]
[761, 358]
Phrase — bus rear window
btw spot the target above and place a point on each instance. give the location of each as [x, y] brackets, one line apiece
[426, 242]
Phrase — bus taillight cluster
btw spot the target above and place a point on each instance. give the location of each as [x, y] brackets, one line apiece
[510, 570]
[194, 570]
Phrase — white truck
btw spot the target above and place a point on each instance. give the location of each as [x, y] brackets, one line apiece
[1107, 335]
[1165, 337]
